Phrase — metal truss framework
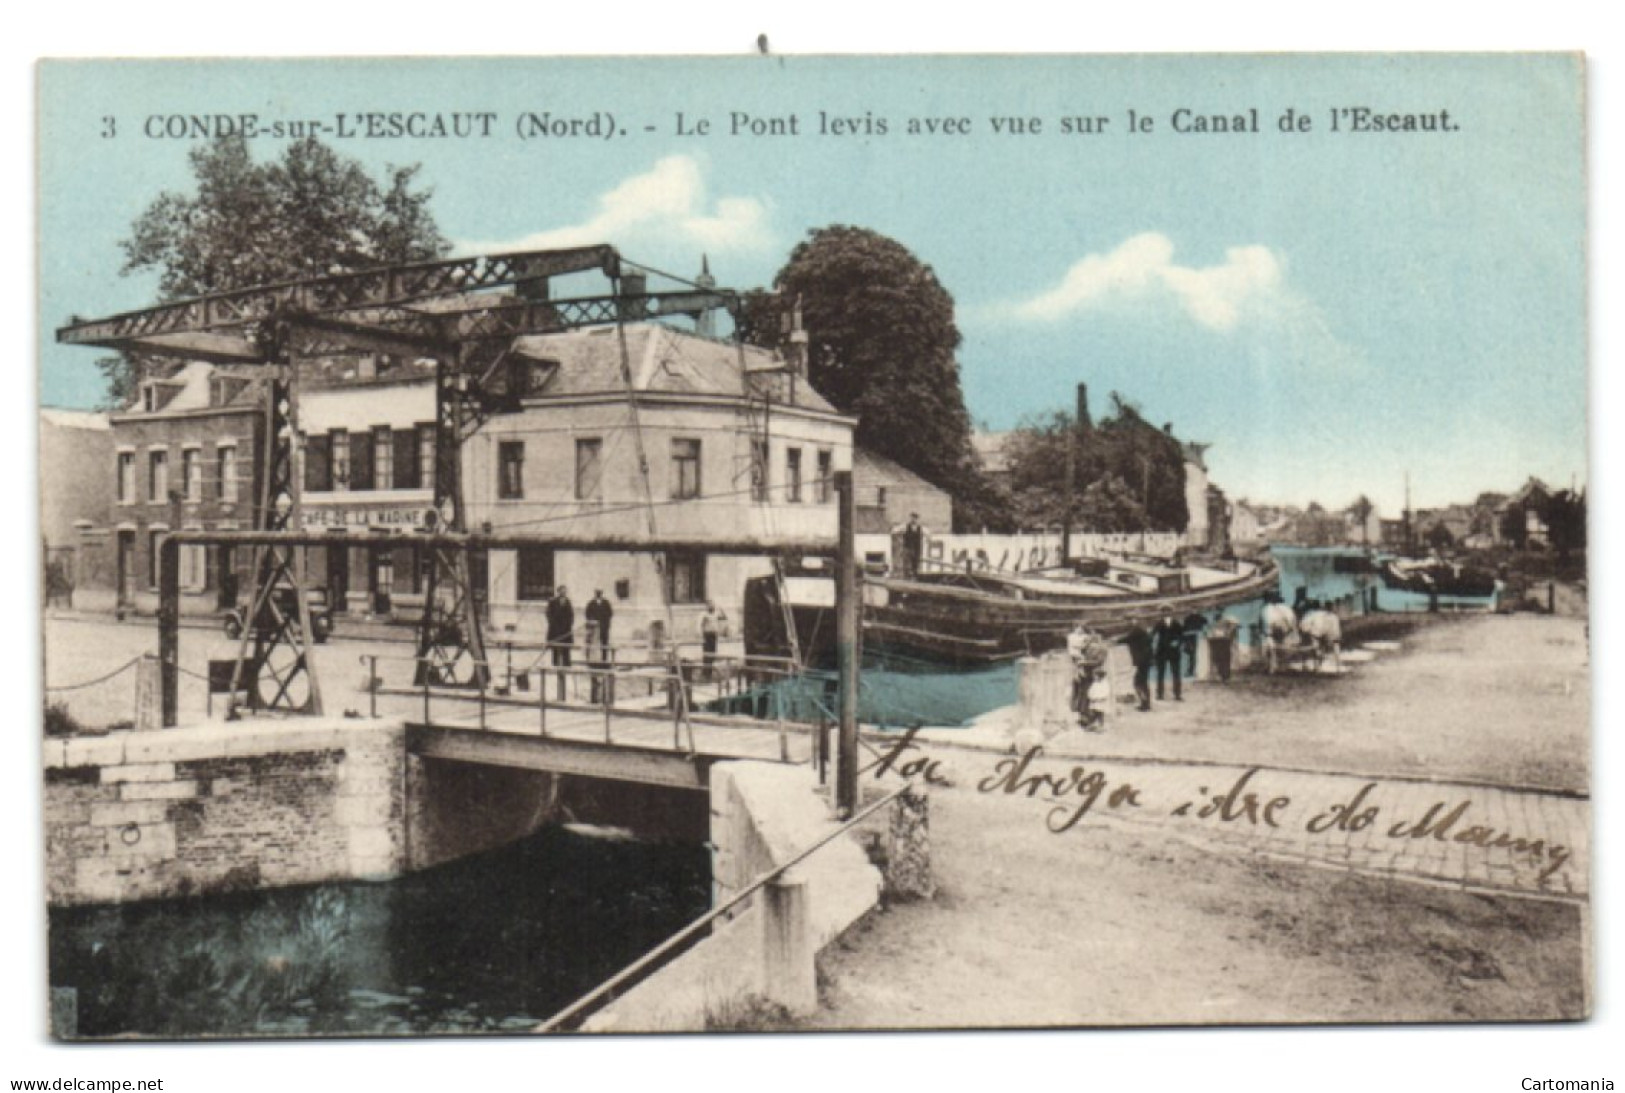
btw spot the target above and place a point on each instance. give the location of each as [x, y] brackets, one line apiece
[437, 310]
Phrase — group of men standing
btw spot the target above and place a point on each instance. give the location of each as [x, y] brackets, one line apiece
[1169, 646]
[561, 627]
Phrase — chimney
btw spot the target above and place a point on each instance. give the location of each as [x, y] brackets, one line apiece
[1084, 424]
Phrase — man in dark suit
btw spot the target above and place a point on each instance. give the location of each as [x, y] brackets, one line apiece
[1138, 641]
[913, 546]
[1170, 640]
[561, 624]
[599, 616]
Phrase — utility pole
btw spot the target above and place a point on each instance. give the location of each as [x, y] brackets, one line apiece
[1074, 441]
[847, 650]
[1069, 484]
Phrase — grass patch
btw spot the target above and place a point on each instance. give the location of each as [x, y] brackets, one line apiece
[752, 1013]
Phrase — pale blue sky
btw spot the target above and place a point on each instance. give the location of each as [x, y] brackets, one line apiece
[1329, 310]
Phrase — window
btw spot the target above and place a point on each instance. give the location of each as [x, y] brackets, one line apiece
[535, 573]
[511, 470]
[226, 459]
[589, 469]
[338, 443]
[126, 477]
[426, 455]
[758, 469]
[383, 467]
[191, 478]
[158, 475]
[826, 475]
[685, 469]
[407, 472]
[361, 464]
[318, 465]
[194, 565]
[685, 578]
[792, 475]
[153, 539]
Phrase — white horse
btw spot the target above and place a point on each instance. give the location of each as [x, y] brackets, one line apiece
[1280, 626]
[1325, 631]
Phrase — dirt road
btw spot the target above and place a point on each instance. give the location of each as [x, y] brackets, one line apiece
[1106, 926]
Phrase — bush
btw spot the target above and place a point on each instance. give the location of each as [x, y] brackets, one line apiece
[59, 721]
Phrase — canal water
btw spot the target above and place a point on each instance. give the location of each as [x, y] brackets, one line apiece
[896, 691]
[493, 943]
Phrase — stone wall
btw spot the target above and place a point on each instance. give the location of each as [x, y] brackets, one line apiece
[163, 814]
[762, 816]
[457, 809]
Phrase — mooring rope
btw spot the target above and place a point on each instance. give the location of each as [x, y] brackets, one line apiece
[132, 662]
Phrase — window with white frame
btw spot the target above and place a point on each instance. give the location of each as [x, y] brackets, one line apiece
[685, 577]
[792, 475]
[685, 469]
[126, 478]
[511, 470]
[225, 456]
[589, 468]
[192, 474]
[158, 475]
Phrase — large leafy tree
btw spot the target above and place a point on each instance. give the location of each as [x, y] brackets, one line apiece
[308, 213]
[1129, 475]
[882, 339]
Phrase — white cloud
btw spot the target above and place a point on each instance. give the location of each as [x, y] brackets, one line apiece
[668, 204]
[1250, 279]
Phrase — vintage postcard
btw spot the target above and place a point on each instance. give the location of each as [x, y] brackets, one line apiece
[547, 546]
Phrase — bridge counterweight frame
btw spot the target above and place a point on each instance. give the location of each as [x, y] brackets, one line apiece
[390, 310]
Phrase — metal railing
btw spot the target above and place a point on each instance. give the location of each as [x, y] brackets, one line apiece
[601, 995]
[611, 684]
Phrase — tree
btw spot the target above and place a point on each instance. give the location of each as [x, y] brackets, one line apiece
[1515, 526]
[1361, 511]
[310, 213]
[1128, 476]
[1566, 523]
[881, 346]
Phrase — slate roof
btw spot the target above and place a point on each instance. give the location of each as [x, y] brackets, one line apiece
[662, 360]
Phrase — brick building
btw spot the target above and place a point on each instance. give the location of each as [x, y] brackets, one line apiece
[185, 456]
[75, 449]
[366, 461]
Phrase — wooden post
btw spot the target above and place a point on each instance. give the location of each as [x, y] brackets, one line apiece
[541, 700]
[169, 629]
[789, 976]
[847, 649]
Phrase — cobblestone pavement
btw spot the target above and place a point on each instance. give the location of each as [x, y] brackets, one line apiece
[1457, 834]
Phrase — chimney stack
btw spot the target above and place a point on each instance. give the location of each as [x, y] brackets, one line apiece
[1084, 424]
